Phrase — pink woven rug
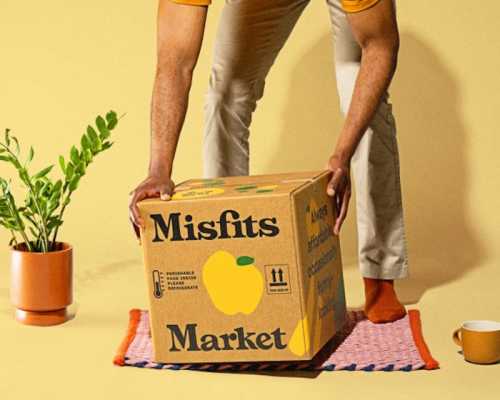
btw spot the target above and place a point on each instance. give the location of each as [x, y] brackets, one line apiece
[362, 346]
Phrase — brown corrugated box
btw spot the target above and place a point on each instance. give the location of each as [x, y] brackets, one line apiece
[243, 269]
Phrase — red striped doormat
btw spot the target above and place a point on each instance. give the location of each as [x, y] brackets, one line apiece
[362, 346]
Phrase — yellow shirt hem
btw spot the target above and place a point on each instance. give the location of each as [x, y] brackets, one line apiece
[349, 6]
[353, 6]
[194, 2]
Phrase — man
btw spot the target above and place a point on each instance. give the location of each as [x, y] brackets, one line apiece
[250, 36]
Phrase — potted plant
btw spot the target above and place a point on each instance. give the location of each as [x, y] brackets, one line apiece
[41, 265]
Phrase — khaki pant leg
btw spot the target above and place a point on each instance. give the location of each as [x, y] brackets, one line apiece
[250, 35]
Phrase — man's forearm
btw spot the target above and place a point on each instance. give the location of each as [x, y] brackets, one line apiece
[180, 35]
[378, 64]
[168, 110]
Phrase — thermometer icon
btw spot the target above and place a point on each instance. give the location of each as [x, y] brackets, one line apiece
[157, 284]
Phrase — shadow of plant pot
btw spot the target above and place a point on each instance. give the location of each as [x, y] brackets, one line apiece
[42, 284]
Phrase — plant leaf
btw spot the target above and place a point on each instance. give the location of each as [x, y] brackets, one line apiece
[56, 189]
[112, 119]
[112, 124]
[87, 155]
[52, 205]
[80, 168]
[70, 170]
[13, 160]
[10, 225]
[73, 184]
[31, 154]
[62, 164]
[24, 175]
[74, 155]
[101, 126]
[14, 139]
[44, 187]
[7, 137]
[99, 121]
[107, 145]
[85, 142]
[43, 172]
[54, 223]
[38, 186]
[111, 115]
[105, 134]
[94, 139]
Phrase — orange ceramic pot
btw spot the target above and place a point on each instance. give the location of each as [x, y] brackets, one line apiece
[42, 284]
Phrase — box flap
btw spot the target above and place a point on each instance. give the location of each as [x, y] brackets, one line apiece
[252, 180]
[242, 186]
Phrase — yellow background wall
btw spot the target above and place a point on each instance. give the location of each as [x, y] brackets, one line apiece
[62, 63]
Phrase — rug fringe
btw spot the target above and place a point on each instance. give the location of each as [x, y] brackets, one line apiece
[418, 337]
[134, 318]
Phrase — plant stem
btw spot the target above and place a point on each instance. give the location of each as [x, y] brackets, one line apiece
[14, 239]
[61, 212]
[12, 206]
[45, 239]
[43, 225]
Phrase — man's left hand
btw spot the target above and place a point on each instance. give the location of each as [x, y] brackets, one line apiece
[339, 188]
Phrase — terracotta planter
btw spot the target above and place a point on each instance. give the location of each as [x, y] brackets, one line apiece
[42, 284]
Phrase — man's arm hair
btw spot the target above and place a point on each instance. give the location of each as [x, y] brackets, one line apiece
[180, 35]
[376, 31]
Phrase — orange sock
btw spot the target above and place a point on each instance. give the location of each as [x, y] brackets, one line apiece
[382, 304]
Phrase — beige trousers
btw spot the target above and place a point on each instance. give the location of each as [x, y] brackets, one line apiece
[250, 36]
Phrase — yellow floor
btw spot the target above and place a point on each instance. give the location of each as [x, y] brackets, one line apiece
[73, 361]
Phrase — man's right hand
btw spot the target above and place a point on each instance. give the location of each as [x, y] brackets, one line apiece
[153, 186]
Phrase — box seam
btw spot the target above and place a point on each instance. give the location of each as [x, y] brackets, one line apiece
[299, 270]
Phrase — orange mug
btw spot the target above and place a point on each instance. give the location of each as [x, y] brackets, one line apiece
[480, 341]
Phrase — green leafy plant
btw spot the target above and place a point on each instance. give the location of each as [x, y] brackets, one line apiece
[36, 222]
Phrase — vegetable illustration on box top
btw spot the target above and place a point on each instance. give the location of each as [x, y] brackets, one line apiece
[197, 193]
[235, 285]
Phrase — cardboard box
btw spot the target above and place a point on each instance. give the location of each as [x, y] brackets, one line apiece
[243, 269]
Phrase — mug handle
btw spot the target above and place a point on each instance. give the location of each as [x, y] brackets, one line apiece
[456, 337]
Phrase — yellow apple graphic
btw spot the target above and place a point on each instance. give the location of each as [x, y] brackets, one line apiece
[234, 285]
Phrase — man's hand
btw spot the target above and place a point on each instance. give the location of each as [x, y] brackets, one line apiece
[153, 186]
[339, 188]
